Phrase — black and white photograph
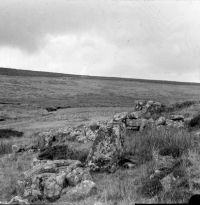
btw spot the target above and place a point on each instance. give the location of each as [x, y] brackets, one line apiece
[99, 102]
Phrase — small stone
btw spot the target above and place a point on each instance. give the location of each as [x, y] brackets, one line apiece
[120, 116]
[160, 121]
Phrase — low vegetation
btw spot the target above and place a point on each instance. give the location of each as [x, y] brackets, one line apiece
[5, 147]
[11, 169]
[142, 144]
[180, 105]
[7, 133]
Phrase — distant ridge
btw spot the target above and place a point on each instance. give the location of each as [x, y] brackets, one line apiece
[31, 73]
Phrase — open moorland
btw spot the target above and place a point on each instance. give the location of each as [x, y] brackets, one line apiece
[69, 139]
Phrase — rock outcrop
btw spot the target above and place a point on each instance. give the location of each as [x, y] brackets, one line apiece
[148, 113]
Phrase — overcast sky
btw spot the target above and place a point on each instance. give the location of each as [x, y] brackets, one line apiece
[135, 39]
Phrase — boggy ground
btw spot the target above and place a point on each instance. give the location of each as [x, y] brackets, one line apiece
[159, 164]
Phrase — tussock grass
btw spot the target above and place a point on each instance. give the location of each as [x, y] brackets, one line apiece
[195, 121]
[142, 144]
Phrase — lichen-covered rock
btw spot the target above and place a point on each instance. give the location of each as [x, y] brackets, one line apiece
[140, 105]
[76, 175]
[134, 115]
[41, 168]
[53, 186]
[150, 107]
[136, 124]
[160, 121]
[107, 148]
[119, 117]
[47, 179]
[85, 189]
[44, 186]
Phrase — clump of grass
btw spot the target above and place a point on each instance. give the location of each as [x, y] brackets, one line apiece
[172, 150]
[150, 188]
[195, 121]
[176, 196]
[115, 187]
[142, 144]
[7, 133]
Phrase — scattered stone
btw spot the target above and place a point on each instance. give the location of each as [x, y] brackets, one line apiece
[47, 179]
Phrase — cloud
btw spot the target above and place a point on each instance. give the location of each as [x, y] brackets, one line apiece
[115, 38]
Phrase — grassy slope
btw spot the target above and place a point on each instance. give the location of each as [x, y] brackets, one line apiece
[76, 91]
[85, 91]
